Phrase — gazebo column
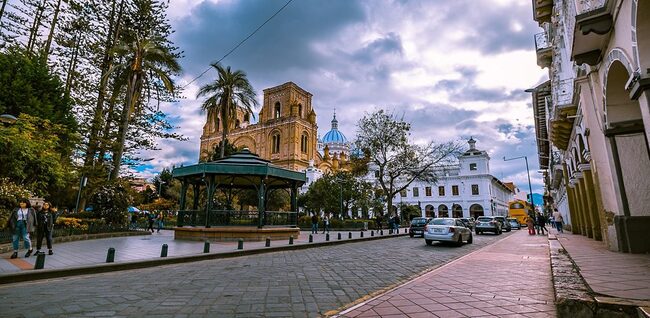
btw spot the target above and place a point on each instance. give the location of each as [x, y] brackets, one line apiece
[208, 207]
[294, 203]
[182, 203]
[196, 188]
[261, 191]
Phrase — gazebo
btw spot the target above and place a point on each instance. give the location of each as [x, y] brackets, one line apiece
[241, 171]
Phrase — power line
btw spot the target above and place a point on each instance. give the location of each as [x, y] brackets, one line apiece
[241, 42]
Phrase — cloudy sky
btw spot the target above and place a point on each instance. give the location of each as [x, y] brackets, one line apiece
[453, 68]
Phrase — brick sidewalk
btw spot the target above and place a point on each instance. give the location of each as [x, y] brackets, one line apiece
[511, 278]
[609, 273]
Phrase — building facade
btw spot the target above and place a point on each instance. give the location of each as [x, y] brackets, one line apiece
[286, 132]
[466, 189]
[593, 116]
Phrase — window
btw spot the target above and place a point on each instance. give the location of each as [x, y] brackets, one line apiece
[427, 191]
[454, 190]
[441, 191]
[377, 174]
[275, 145]
[402, 193]
[416, 192]
[303, 143]
[472, 166]
[300, 110]
[474, 189]
[276, 112]
[247, 117]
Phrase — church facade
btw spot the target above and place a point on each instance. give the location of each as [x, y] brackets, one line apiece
[286, 132]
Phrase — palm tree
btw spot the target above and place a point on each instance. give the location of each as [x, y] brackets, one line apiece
[228, 93]
[146, 63]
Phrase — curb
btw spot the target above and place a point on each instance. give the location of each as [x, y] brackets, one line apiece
[574, 297]
[33, 275]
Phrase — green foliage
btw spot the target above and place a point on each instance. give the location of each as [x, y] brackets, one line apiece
[10, 193]
[408, 212]
[215, 153]
[338, 192]
[30, 157]
[110, 202]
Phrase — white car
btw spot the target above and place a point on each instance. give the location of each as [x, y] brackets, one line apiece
[447, 230]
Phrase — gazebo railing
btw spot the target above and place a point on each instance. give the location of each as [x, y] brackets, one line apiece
[236, 218]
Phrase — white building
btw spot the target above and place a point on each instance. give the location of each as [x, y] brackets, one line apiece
[466, 189]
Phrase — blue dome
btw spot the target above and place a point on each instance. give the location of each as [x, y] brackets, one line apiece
[334, 135]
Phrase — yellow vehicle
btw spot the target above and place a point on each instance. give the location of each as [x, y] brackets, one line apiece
[518, 209]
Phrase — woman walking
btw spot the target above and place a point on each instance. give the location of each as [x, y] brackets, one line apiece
[531, 225]
[22, 222]
[45, 218]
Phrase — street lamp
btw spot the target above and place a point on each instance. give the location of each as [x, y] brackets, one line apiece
[530, 187]
[82, 184]
[8, 119]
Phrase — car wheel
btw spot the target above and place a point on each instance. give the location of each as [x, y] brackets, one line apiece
[478, 233]
[508, 230]
[429, 242]
[470, 239]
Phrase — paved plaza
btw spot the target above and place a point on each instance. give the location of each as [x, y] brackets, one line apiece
[303, 283]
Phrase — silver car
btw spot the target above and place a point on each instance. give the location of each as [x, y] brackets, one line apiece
[447, 230]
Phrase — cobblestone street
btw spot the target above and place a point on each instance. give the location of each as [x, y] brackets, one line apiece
[303, 283]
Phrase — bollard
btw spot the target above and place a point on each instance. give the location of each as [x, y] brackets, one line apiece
[327, 237]
[361, 235]
[381, 232]
[405, 230]
[110, 257]
[311, 238]
[40, 261]
[291, 240]
[349, 235]
[390, 231]
[268, 242]
[372, 233]
[240, 244]
[206, 247]
[339, 235]
[163, 251]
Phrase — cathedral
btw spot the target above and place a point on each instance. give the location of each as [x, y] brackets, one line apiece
[286, 133]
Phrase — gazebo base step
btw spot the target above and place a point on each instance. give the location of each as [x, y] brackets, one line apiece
[223, 234]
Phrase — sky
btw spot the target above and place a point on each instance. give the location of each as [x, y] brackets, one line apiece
[454, 69]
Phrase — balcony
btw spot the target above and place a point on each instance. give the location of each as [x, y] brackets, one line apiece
[542, 11]
[594, 22]
[543, 49]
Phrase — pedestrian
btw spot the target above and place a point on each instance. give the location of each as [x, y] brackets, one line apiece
[378, 222]
[396, 222]
[45, 219]
[150, 219]
[391, 223]
[559, 221]
[134, 220]
[160, 219]
[541, 224]
[326, 223]
[22, 222]
[531, 225]
[314, 223]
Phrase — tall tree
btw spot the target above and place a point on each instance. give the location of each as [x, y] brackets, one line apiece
[384, 139]
[225, 95]
[144, 60]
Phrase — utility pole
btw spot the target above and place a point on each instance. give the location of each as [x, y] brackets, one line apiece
[530, 187]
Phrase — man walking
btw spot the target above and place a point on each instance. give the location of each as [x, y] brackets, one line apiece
[559, 221]
[541, 224]
[326, 223]
[314, 223]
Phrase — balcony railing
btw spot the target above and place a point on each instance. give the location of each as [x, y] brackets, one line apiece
[541, 41]
[584, 6]
[236, 218]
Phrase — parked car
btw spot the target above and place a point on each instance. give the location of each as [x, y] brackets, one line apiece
[505, 225]
[417, 226]
[469, 222]
[514, 223]
[447, 230]
[487, 224]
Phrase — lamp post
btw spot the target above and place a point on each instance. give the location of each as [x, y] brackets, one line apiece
[530, 187]
[82, 184]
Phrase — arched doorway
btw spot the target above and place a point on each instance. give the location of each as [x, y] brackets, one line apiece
[443, 212]
[628, 154]
[457, 211]
[429, 211]
[476, 210]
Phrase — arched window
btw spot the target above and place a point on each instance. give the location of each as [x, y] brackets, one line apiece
[247, 118]
[275, 143]
[300, 110]
[303, 143]
[237, 123]
[276, 110]
[429, 211]
[443, 212]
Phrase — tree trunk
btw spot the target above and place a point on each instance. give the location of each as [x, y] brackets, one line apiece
[131, 99]
[2, 11]
[46, 50]
[33, 32]
[98, 116]
[225, 123]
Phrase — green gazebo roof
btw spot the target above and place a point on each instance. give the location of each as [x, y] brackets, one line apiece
[236, 170]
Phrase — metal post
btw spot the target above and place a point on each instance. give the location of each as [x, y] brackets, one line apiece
[290, 240]
[240, 244]
[82, 183]
[163, 251]
[40, 261]
[361, 235]
[268, 242]
[327, 237]
[311, 238]
[206, 247]
[530, 187]
[110, 256]
[339, 236]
